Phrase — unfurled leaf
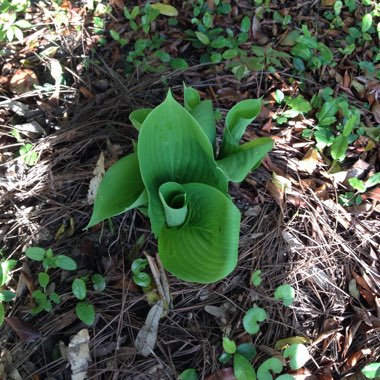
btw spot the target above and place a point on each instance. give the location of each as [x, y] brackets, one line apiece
[7, 295]
[372, 371]
[245, 24]
[142, 279]
[373, 180]
[5, 268]
[203, 38]
[191, 98]
[237, 160]
[138, 265]
[35, 253]
[298, 355]
[79, 289]
[85, 312]
[98, 282]
[358, 184]
[179, 64]
[247, 350]
[298, 104]
[279, 96]
[188, 374]
[339, 148]
[366, 22]
[66, 263]
[252, 319]
[165, 9]
[43, 279]
[121, 189]
[270, 365]
[243, 369]
[229, 345]
[285, 293]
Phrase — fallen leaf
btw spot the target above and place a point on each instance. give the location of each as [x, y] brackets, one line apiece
[86, 92]
[23, 80]
[24, 330]
[376, 111]
[147, 336]
[223, 374]
[310, 161]
[96, 179]
[78, 355]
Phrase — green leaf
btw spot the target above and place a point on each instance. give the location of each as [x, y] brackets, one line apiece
[121, 189]
[279, 96]
[298, 104]
[137, 117]
[350, 124]
[357, 184]
[142, 279]
[247, 350]
[256, 278]
[65, 262]
[23, 24]
[173, 148]
[371, 371]
[5, 268]
[179, 64]
[85, 312]
[43, 279]
[243, 369]
[189, 374]
[35, 253]
[272, 364]
[245, 24]
[203, 113]
[174, 200]
[224, 358]
[298, 355]
[329, 109]
[252, 319]
[2, 314]
[366, 22]
[242, 159]
[79, 289]
[165, 9]
[138, 265]
[204, 248]
[162, 56]
[286, 377]
[229, 345]
[98, 282]
[285, 293]
[237, 160]
[339, 148]
[191, 98]
[55, 298]
[373, 180]
[6, 295]
[203, 38]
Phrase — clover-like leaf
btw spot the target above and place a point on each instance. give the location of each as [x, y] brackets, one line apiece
[298, 354]
[174, 148]
[273, 364]
[252, 319]
[121, 189]
[204, 248]
[285, 293]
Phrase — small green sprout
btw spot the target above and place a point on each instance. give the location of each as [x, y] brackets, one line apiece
[256, 278]
[229, 345]
[272, 364]
[285, 293]
[252, 319]
[298, 355]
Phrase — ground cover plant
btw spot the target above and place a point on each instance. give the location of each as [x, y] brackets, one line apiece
[82, 95]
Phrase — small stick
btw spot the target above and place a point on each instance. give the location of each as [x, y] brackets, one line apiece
[156, 275]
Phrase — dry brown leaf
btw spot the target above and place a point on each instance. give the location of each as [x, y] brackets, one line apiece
[23, 330]
[223, 374]
[23, 80]
[350, 334]
[373, 194]
[346, 79]
[328, 3]
[86, 92]
[376, 111]
[310, 161]
[364, 289]
[354, 358]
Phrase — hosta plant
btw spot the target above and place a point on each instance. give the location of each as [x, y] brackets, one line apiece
[175, 178]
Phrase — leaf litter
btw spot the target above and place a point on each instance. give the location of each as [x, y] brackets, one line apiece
[292, 229]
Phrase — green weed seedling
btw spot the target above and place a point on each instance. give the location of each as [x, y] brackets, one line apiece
[85, 309]
[6, 266]
[285, 293]
[294, 107]
[362, 186]
[28, 155]
[176, 179]
[46, 297]
[140, 278]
